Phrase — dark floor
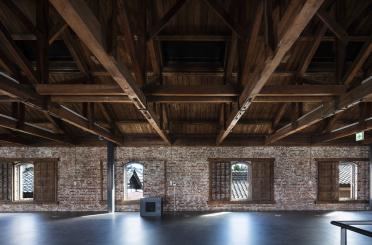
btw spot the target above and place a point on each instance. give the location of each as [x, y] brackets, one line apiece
[218, 228]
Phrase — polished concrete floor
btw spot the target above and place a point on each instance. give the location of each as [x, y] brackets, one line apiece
[260, 228]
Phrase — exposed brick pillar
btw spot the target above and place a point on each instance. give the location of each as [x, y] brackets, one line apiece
[111, 177]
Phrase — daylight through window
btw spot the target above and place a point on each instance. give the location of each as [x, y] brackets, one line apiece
[241, 188]
[133, 179]
[24, 174]
[347, 181]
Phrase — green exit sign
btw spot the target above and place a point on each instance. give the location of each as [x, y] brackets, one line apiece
[359, 136]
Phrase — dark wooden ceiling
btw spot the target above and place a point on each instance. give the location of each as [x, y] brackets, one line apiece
[185, 72]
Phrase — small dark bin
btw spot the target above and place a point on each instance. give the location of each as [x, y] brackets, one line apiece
[151, 206]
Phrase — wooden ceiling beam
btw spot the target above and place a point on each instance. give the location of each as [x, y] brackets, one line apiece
[305, 90]
[79, 89]
[179, 99]
[76, 52]
[82, 20]
[20, 15]
[325, 110]
[30, 98]
[215, 90]
[332, 24]
[12, 139]
[344, 131]
[12, 48]
[122, 99]
[219, 9]
[130, 44]
[300, 13]
[71, 91]
[231, 58]
[191, 99]
[279, 115]
[357, 64]
[304, 64]
[56, 31]
[330, 123]
[13, 124]
[109, 116]
[42, 17]
[251, 43]
[172, 12]
[271, 19]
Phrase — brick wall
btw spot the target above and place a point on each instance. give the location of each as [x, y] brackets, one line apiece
[81, 170]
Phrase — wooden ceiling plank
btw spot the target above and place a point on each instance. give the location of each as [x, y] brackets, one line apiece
[326, 110]
[81, 19]
[287, 37]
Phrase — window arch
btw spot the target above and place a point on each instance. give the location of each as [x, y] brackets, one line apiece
[347, 179]
[241, 181]
[133, 181]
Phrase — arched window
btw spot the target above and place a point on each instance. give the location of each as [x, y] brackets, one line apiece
[133, 181]
[347, 179]
[241, 186]
[24, 181]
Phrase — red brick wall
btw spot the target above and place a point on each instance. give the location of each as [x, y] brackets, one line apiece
[80, 186]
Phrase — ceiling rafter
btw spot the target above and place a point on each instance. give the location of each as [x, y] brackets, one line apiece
[333, 25]
[30, 98]
[130, 43]
[325, 110]
[16, 125]
[172, 12]
[17, 55]
[81, 19]
[300, 14]
[219, 9]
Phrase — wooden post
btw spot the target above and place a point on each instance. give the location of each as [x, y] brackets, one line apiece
[110, 177]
